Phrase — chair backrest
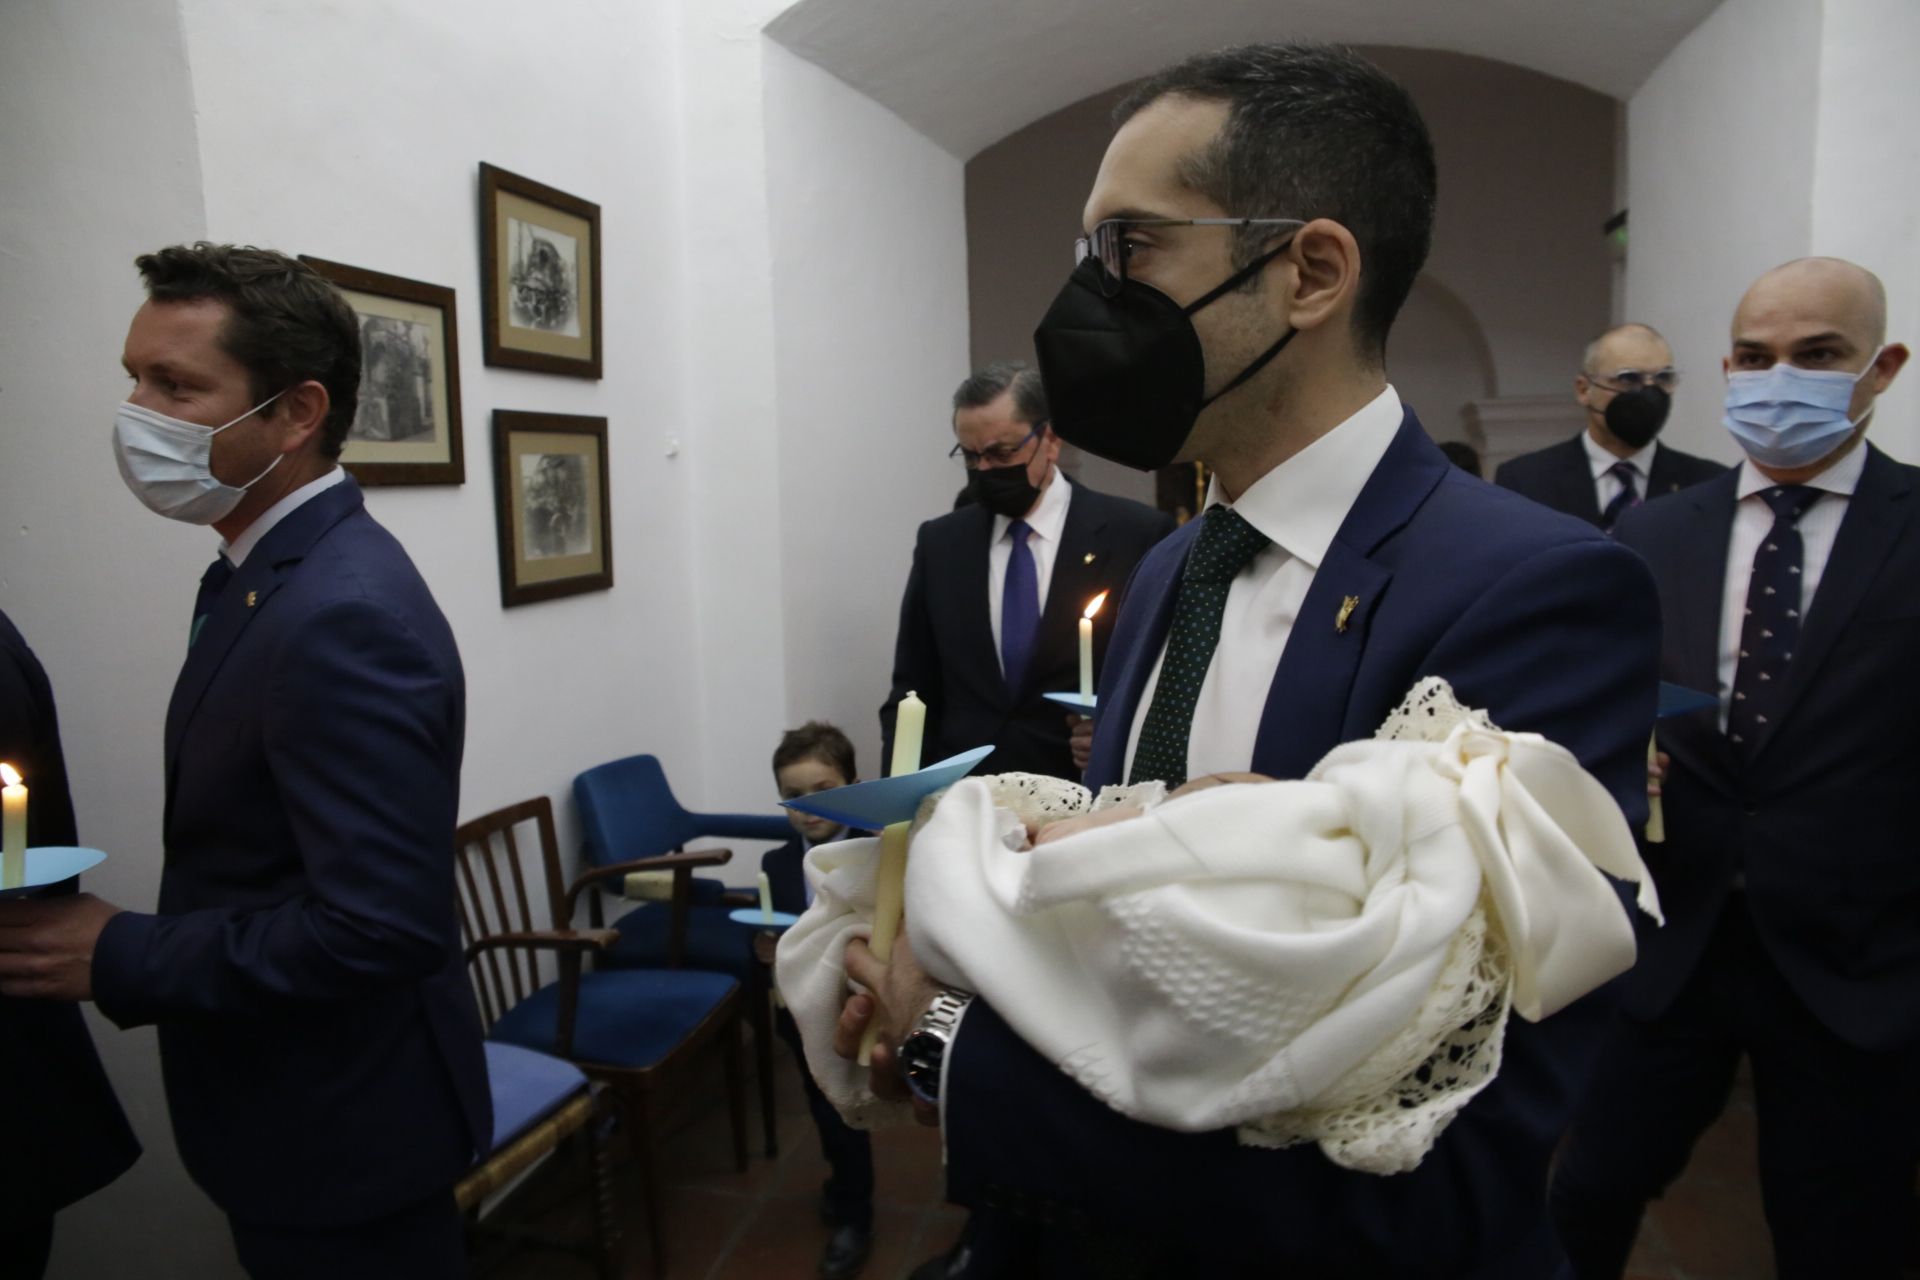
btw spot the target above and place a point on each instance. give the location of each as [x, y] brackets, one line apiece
[627, 811]
[492, 890]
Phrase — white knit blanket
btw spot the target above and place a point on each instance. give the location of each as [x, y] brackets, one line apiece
[1330, 960]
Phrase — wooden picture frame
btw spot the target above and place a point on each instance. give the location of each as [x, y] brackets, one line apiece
[551, 493]
[539, 276]
[408, 427]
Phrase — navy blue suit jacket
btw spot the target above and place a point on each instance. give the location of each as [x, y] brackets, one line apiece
[944, 649]
[1530, 614]
[318, 1036]
[1561, 477]
[1821, 817]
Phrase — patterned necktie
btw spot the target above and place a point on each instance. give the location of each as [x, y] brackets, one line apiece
[212, 583]
[1771, 628]
[1629, 496]
[1225, 545]
[1019, 607]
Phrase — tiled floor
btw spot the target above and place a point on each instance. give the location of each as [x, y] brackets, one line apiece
[763, 1224]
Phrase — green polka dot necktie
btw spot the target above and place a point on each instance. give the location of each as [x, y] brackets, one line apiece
[1225, 545]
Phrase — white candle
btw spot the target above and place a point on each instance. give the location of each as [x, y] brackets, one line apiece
[766, 899]
[1086, 644]
[909, 727]
[1656, 815]
[13, 829]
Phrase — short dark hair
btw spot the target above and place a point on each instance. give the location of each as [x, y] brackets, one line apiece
[816, 740]
[984, 386]
[288, 325]
[1314, 131]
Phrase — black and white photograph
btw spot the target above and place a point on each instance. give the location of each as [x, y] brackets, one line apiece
[554, 513]
[540, 276]
[406, 430]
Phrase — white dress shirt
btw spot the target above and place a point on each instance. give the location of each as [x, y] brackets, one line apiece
[1752, 520]
[236, 551]
[1606, 487]
[1048, 520]
[1300, 505]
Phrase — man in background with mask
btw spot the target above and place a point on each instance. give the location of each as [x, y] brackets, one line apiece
[1625, 384]
[318, 1036]
[1790, 874]
[1257, 222]
[990, 621]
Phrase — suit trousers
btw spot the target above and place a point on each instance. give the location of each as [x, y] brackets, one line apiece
[1839, 1127]
[24, 1250]
[427, 1241]
[848, 1196]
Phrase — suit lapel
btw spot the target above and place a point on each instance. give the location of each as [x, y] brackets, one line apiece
[1662, 480]
[1700, 574]
[1578, 496]
[1306, 709]
[971, 581]
[1876, 515]
[1078, 562]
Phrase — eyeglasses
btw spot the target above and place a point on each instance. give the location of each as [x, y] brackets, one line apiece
[1108, 243]
[1637, 380]
[997, 455]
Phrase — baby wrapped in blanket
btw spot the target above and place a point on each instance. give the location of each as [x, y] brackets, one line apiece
[1331, 960]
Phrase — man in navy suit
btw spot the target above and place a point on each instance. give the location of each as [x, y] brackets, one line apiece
[1789, 875]
[65, 1136]
[990, 621]
[1625, 384]
[318, 1037]
[1342, 559]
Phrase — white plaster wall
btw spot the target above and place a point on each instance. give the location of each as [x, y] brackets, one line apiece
[1720, 179]
[1866, 177]
[870, 328]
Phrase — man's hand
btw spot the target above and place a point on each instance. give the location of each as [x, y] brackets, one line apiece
[1215, 780]
[1080, 740]
[46, 946]
[901, 992]
[1657, 772]
[1073, 826]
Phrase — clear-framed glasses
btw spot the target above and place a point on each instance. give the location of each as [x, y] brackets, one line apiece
[1108, 243]
[997, 455]
[1629, 380]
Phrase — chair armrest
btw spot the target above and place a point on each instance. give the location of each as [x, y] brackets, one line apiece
[681, 864]
[573, 941]
[742, 826]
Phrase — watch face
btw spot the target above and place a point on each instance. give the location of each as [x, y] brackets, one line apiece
[920, 1057]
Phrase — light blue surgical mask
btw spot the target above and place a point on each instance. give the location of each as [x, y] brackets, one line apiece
[1788, 417]
[168, 463]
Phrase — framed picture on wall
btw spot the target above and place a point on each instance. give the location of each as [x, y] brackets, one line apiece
[550, 486]
[539, 276]
[407, 429]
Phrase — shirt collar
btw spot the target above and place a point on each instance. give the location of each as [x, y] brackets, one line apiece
[237, 551]
[1048, 517]
[1843, 477]
[1302, 503]
[1602, 462]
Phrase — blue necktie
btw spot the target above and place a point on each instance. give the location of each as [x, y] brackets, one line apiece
[1626, 473]
[1019, 608]
[1771, 626]
[212, 583]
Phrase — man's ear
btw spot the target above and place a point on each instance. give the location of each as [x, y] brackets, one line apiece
[1326, 258]
[301, 414]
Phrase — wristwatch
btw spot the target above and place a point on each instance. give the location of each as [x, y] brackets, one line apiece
[924, 1051]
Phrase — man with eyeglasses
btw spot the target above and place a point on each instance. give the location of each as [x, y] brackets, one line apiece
[990, 621]
[1790, 873]
[1626, 386]
[1259, 218]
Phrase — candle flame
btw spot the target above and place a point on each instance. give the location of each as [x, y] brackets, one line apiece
[1093, 605]
[9, 775]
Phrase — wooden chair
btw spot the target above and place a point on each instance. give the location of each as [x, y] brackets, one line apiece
[636, 1030]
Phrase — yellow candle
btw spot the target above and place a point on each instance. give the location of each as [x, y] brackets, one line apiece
[766, 899]
[1086, 644]
[13, 829]
[909, 727]
[889, 901]
[1656, 816]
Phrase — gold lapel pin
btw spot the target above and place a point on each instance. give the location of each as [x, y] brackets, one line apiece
[253, 598]
[1347, 606]
[1088, 559]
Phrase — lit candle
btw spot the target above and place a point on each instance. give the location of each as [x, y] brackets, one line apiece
[1656, 816]
[766, 899]
[909, 727]
[13, 829]
[1086, 644]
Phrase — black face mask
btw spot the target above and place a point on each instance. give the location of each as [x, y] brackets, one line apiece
[1125, 376]
[1005, 491]
[1635, 417]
